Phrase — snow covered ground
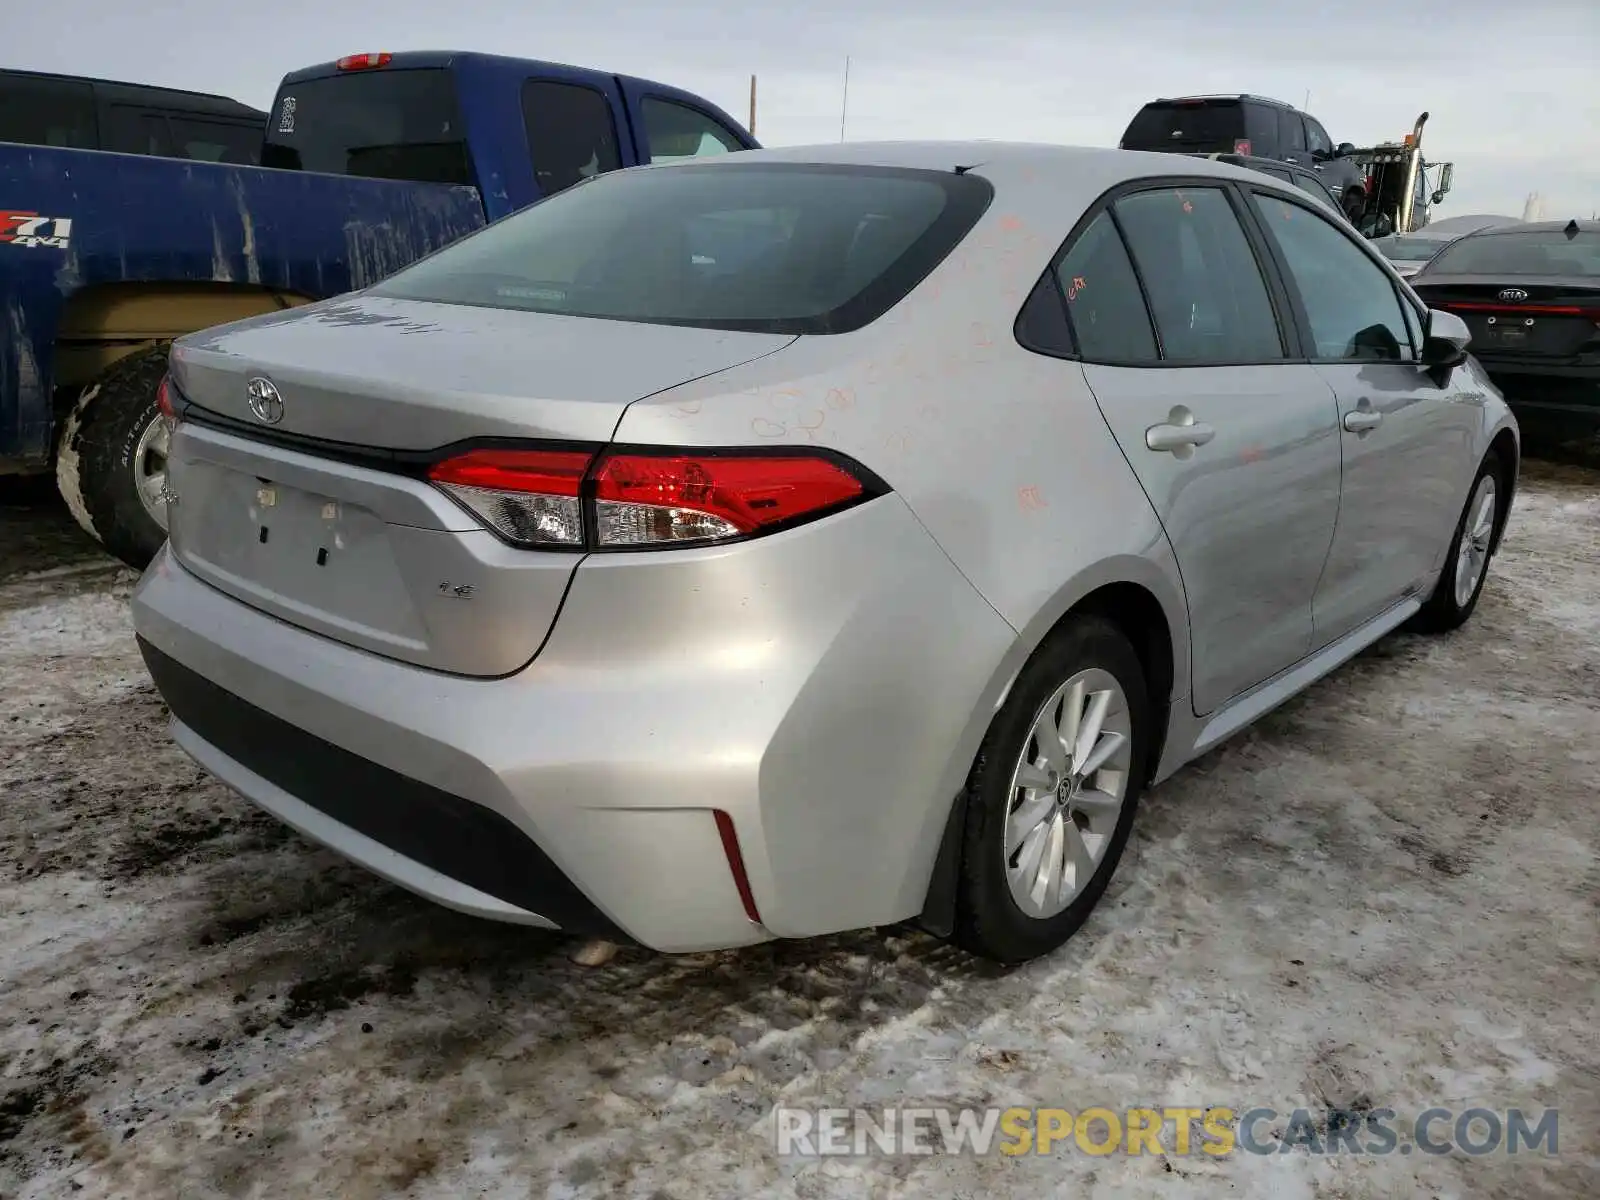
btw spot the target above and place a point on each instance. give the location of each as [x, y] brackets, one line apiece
[1385, 895]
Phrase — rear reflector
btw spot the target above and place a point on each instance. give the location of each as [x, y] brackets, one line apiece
[1241, 146]
[639, 499]
[364, 62]
[741, 878]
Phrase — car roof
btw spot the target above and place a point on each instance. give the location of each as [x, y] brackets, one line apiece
[121, 90]
[1071, 169]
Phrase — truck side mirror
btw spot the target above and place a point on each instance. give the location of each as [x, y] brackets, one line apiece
[1447, 175]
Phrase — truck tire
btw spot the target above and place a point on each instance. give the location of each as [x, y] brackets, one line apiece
[111, 458]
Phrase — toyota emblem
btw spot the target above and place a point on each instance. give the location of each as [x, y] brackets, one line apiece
[265, 402]
[1513, 295]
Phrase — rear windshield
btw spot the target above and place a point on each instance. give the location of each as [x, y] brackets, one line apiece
[47, 112]
[380, 124]
[769, 247]
[1186, 126]
[1546, 252]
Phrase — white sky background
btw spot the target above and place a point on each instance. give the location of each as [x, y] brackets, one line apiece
[1513, 85]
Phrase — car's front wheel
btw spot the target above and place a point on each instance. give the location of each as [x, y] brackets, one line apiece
[1051, 798]
[1466, 566]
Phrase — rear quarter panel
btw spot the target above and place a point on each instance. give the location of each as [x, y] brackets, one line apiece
[135, 219]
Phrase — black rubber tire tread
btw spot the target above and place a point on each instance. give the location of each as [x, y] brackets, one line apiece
[94, 462]
[988, 921]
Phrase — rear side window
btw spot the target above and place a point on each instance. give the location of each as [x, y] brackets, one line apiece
[1209, 125]
[768, 247]
[1546, 252]
[136, 130]
[571, 133]
[1291, 131]
[1109, 319]
[379, 124]
[1207, 294]
[676, 131]
[47, 112]
[1350, 302]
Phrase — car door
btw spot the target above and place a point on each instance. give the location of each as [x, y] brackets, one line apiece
[1405, 439]
[1182, 337]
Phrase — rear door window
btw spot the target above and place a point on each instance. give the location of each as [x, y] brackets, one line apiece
[1206, 290]
[379, 124]
[572, 135]
[1291, 131]
[1261, 129]
[675, 131]
[39, 111]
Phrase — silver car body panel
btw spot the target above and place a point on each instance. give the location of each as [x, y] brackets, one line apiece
[826, 687]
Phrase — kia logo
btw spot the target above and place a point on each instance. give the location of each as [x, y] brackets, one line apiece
[1513, 295]
[265, 402]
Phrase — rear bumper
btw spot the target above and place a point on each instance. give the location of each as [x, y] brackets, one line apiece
[824, 687]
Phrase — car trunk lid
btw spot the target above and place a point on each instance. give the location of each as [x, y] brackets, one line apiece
[323, 517]
[1532, 320]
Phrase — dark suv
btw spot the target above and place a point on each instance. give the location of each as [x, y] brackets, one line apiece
[1249, 125]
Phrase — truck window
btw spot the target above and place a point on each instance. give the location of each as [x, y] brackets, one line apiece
[676, 131]
[1291, 130]
[39, 111]
[1204, 126]
[377, 124]
[1318, 138]
[133, 129]
[571, 133]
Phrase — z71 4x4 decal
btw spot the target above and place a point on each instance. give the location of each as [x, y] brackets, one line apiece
[31, 229]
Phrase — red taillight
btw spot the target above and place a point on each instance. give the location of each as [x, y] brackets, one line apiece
[1524, 310]
[1241, 146]
[642, 499]
[364, 62]
[164, 403]
[649, 499]
[529, 497]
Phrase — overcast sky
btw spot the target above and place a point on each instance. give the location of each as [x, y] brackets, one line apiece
[1513, 85]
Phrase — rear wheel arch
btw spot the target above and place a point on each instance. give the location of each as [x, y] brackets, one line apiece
[1139, 615]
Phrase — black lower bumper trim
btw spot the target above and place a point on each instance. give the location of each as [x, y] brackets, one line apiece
[465, 841]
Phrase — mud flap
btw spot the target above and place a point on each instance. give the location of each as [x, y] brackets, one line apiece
[938, 914]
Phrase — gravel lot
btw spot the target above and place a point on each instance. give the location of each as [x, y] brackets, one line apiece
[1386, 894]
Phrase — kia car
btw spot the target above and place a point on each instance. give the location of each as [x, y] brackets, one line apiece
[1530, 295]
[810, 539]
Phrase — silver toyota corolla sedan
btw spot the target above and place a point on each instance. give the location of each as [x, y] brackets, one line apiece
[808, 539]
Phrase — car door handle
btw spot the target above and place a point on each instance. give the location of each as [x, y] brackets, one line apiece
[1359, 420]
[1176, 438]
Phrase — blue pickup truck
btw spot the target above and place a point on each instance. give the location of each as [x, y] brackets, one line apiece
[367, 164]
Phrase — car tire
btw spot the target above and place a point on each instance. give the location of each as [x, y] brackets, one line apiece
[1455, 596]
[1008, 908]
[112, 448]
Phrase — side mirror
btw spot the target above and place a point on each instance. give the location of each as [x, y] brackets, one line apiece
[1445, 340]
[1344, 150]
[1447, 175]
